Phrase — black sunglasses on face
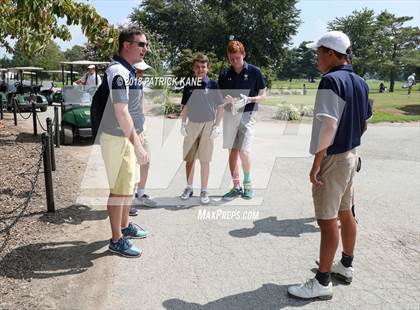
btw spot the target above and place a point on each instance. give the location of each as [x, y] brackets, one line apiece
[140, 43]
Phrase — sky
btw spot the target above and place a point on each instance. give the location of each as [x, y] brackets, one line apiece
[315, 14]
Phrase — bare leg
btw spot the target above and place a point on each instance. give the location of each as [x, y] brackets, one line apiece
[115, 208]
[144, 172]
[233, 165]
[205, 171]
[329, 243]
[348, 231]
[190, 172]
[246, 161]
[126, 211]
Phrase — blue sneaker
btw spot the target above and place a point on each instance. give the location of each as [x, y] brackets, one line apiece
[124, 248]
[134, 231]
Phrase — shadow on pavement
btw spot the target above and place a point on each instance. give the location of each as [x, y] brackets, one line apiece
[278, 228]
[52, 259]
[75, 215]
[177, 204]
[268, 297]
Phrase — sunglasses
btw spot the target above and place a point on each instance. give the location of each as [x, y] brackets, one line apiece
[140, 43]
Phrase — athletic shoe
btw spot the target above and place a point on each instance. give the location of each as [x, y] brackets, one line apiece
[144, 201]
[311, 289]
[204, 198]
[343, 273]
[124, 248]
[188, 192]
[134, 231]
[132, 212]
[232, 194]
[354, 214]
[248, 191]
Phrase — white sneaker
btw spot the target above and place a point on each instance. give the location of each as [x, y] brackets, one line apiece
[144, 201]
[311, 289]
[188, 192]
[204, 198]
[343, 273]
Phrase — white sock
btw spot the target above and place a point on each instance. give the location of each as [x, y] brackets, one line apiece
[189, 186]
[204, 190]
[140, 192]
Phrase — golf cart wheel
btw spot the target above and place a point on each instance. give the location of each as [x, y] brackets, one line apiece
[43, 109]
[67, 134]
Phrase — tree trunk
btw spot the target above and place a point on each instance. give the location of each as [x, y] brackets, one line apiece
[392, 81]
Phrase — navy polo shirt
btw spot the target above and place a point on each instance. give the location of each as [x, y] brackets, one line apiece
[248, 82]
[348, 104]
[124, 88]
[202, 100]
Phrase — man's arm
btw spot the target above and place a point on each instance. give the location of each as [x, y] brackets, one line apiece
[184, 113]
[82, 80]
[262, 94]
[326, 137]
[219, 115]
[316, 167]
[126, 123]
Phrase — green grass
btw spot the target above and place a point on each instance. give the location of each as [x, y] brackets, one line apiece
[387, 107]
[381, 116]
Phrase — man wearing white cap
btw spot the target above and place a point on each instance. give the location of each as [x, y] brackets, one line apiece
[90, 79]
[340, 118]
[411, 81]
[140, 197]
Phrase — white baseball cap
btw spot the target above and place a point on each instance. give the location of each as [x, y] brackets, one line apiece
[91, 66]
[141, 66]
[336, 40]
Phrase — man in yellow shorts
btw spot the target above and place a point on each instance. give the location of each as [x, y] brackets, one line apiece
[120, 137]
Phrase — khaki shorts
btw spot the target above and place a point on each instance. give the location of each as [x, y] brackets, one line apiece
[335, 194]
[198, 144]
[120, 164]
[238, 130]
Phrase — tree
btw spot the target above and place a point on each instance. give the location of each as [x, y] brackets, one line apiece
[307, 62]
[183, 66]
[76, 52]
[394, 43]
[35, 22]
[264, 27]
[50, 60]
[289, 68]
[361, 28]
[381, 44]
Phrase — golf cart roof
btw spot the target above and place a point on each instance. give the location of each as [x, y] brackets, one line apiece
[84, 62]
[59, 71]
[3, 69]
[26, 68]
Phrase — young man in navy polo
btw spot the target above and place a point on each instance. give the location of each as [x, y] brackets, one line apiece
[340, 118]
[202, 106]
[242, 85]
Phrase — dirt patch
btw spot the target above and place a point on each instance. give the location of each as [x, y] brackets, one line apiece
[24, 225]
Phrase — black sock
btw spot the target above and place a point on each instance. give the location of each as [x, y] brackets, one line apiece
[323, 277]
[346, 260]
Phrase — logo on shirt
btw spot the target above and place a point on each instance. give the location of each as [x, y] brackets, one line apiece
[120, 81]
[245, 77]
